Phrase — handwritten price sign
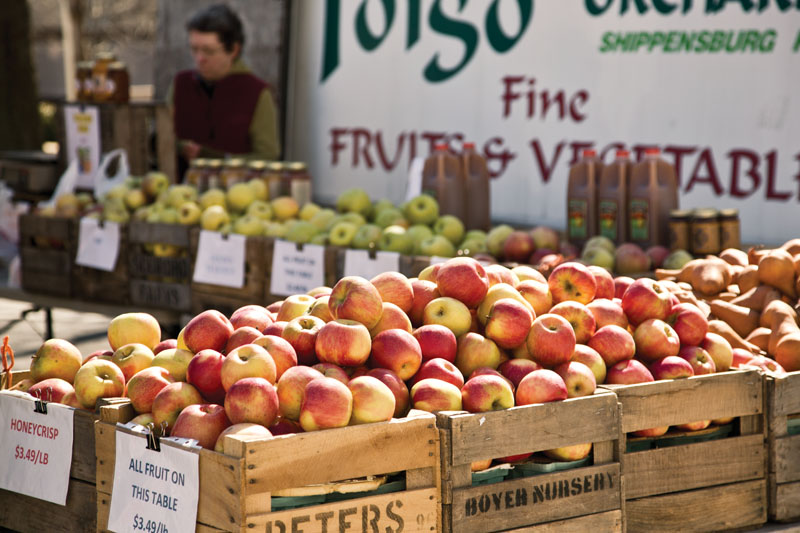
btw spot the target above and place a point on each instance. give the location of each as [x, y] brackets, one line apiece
[296, 271]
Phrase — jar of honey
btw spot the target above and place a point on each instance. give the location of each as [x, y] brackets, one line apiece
[299, 183]
[679, 235]
[233, 172]
[729, 229]
[705, 231]
[119, 82]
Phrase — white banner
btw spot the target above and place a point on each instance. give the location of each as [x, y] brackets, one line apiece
[533, 83]
[35, 448]
[83, 141]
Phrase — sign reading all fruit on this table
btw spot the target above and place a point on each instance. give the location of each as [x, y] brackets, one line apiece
[35, 448]
[296, 271]
[98, 244]
[220, 259]
[154, 491]
[359, 263]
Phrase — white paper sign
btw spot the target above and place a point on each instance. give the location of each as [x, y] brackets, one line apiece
[83, 141]
[35, 448]
[296, 271]
[153, 491]
[98, 246]
[220, 259]
[359, 263]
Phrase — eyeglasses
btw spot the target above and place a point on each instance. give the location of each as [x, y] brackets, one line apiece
[205, 50]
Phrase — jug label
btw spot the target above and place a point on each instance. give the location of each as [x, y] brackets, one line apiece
[577, 219]
[639, 217]
[608, 218]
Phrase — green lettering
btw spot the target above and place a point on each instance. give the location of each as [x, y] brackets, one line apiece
[641, 7]
[608, 42]
[459, 29]
[365, 37]
[663, 7]
[594, 9]
[796, 46]
[412, 33]
[768, 41]
[330, 56]
[747, 5]
[494, 33]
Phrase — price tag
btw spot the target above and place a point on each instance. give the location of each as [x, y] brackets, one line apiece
[359, 263]
[296, 271]
[98, 245]
[154, 491]
[220, 259]
[35, 448]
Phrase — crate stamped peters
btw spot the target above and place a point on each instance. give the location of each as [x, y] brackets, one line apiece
[47, 247]
[584, 498]
[700, 485]
[27, 514]
[236, 488]
[783, 447]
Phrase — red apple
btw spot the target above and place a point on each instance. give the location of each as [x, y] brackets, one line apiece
[689, 323]
[545, 237]
[285, 427]
[439, 369]
[398, 351]
[526, 272]
[210, 330]
[613, 343]
[396, 385]
[395, 288]
[589, 357]
[631, 259]
[276, 328]
[541, 386]
[464, 279]
[56, 358]
[579, 317]
[671, 367]
[694, 426]
[246, 429]
[144, 385]
[576, 452]
[392, 317]
[281, 351]
[607, 312]
[100, 354]
[652, 432]
[551, 340]
[430, 272]
[98, 379]
[500, 274]
[572, 281]
[373, 401]
[132, 358]
[508, 323]
[766, 365]
[321, 309]
[202, 422]
[486, 393]
[476, 351]
[253, 400]
[516, 369]
[330, 370]
[701, 362]
[644, 299]
[655, 339]
[255, 316]
[487, 371]
[537, 294]
[248, 361]
[274, 307]
[343, 342]
[740, 356]
[355, 298]
[434, 395]
[291, 388]
[719, 349]
[424, 293]
[301, 333]
[657, 254]
[171, 400]
[175, 360]
[621, 284]
[604, 281]
[241, 336]
[518, 246]
[436, 341]
[54, 389]
[628, 372]
[578, 378]
[319, 292]
[164, 345]
[205, 373]
[327, 403]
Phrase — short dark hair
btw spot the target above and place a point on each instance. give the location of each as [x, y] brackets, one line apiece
[219, 19]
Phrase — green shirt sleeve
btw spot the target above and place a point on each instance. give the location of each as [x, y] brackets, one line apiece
[264, 129]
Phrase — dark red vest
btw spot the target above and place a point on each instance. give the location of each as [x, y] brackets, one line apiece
[221, 121]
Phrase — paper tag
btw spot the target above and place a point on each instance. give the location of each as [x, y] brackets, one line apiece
[35, 448]
[98, 246]
[153, 491]
[82, 125]
[296, 271]
[220, 259]
[359, 263]
[414, 187]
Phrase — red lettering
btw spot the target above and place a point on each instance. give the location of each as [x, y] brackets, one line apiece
[577, 149]
[772, 167]
[385, 163]
[503, 156]
[359, 133]
[336, 145]
[737, 159]
[639, 150]
[579, 98]
[433, 138]
[705, 160]
[678, 152]
[508, 95]
[613, 147]
[546, 170]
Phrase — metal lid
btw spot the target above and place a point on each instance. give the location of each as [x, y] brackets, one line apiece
[85, 64]
[199, 162]
[705, 213]
[105, 56]
[275, 166]
[679, 213]
[296, 166]
[117, 65]
[215, 163]
[235, 162]
[729, 213]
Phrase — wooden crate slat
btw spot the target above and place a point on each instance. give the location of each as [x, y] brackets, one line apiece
[146, 232]
[165, 144]
[610, 521]
[544, 498]
[664, 403]
[786, 504]
[370, 449]
[29, 515]
[787, 459]
[43, 261]
[680, 468]
[56, 228]
[142, 265]
[787, 394]
[550, 425]
[162, 295]
[712, 509]
[16, 377]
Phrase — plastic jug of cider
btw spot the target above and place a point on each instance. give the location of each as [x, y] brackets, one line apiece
[443, 179]
[653, 194]
[477, 211]
[612, 198]
[582, 198]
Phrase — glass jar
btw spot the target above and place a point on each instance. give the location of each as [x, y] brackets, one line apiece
[679, 230]
[119, 82]
[729, 229]
[83, 81]
[100, 80]
[273, 175]
[705, 231]
[299, 182]
[233, 172]
[213, 174]
[195, 173]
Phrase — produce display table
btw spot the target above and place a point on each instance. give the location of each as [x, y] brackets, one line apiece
[695, 486]
[783, 443]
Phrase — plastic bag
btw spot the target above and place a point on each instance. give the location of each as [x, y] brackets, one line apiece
[66, 184]
[102, 181]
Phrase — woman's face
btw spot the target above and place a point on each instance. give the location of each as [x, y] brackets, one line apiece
[211, 59]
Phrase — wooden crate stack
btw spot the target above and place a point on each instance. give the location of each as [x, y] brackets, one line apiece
[783, 447]
[47, 248]
[160, 282]
[586, 498]
[700, 486]
[235, 487]
[95, 285]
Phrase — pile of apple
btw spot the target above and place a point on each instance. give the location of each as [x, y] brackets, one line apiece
[629, 258]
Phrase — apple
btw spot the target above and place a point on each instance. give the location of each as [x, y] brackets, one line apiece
[719, 349]
[598, 257]
[274, 307]
[578, 378]
[355, 298]
[424, 293]
[56, 358]
[579, 317]
[613, 343]
[671, 367]
[392, 317]
[450, 227]
[55, 389]
[437, 245]
[621, 284]
[210, 330]
[740, 357]
[144, 385]
[320, 308]
[241, 336]
[439, 369]
[301, 332]
[576, 452]
[496, 238]
[205, 373]
[651, 432]
[500, 274]
[464, 279]
[539, 255]
[630, 259]
[488, 371]
[516, 369]
[526, 273]
[628, 372]
[171, 400]
[766, 365]
[395, 288]
[294, 306]
[589, 357]
[318, 292]
[537, 294]
[284, 426]
[486, 393]
[145, 419]
[436, 341]
[395, 384]
[701, 362]
[508, 323]
[450, 313]
[161, 346]
[285, 208]
[343, 342]
[644, 299]
[655, 339]
[330, 370]
[373, 401]
[276, 328]
[248, 361]
[100, 354]
[398, 351]
[434, 395]
[129, 328]
[572, 281]
[23, 385]
[291, 388]
[689, 323]
[202, 422]
[518, 246]
[131, 358]
[476, 351]
[604, 281]
[430, 272]
[342, 233]
[327, 403]
[175, 361]
[551, 340]
[422, 209]
[281, 350]
[544, 237]
[253, 400]
[607, 312]
[495, 293]
[657, 255]
[245, 429]
[694, 426]
[541, 386]
[255, 316]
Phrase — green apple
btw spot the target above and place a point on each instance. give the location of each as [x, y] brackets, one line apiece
[601, 241]
[117, 192]
[391, 217]
[177, 195]
[342, 233]
[438, 245]
[676, 259]
[259, 188]
[320, 239]
[419, 232]
[239, 197]
[275, 229]
[477, 234]
[451, 227]
[155, 182]
[301, 231]
[422, 209]
[323, 218]
[599, 256]
[115, 212]
[496, 238]
[285, 208]
[395, 239]
[189, 213]
[380, 205]
[134, 199]
[214, 217]
[354, 201]
[141, 214]
[169, 216]
[212, 197]
[261, 209]
[249, 225]
[366, 236]
[356, 218]
[308, 211]
[473, 246]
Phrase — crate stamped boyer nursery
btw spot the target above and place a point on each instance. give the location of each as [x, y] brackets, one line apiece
[236, 488]
[585, 498]
[695, 484]
[783, 447]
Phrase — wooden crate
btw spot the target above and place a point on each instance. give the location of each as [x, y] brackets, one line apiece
[593, 498]
[95, 285]
[783, 447]
[159, 282]
[229, 299]
[47, 248]
[701, 486]
[235, 487]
